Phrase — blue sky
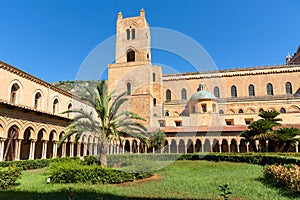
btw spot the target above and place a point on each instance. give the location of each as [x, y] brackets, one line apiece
[51, 38]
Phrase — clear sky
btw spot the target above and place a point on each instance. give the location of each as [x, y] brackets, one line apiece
[51, 38]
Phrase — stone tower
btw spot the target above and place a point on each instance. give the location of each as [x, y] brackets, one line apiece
[133, 71]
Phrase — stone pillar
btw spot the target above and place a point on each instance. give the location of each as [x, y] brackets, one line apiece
[202, 147]
[130, 147]
[138, 148]
[54, 154]
[153, 150]
[123, 149]
[238, 147]
[177, 148]
[1, 149]
[44, 149]
[247, 145]
[18, 149]
[229, 147]
[78, 149]
[84, 149]
[169, 148]
[256, 144]
[146, 149]
[32, 149]
[297, 150]
[220, 148]
[71, 149]
[185, 148]
[194, 148]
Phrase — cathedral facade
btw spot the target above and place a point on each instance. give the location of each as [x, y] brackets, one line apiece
[199, 111]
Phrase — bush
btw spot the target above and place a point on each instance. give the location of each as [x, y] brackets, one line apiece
[90, 160]
[287, 176]
[9, 176]
[75, 172]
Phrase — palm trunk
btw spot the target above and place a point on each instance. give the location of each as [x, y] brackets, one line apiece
[103, 153]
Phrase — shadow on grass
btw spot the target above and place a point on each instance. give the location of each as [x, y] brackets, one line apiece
[66, 195]
[282, 191]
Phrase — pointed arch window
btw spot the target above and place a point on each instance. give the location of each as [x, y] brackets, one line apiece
[69, 108]
[241, 111]
[282, 110]
[251, 90]
[55, 107]
[14, 93]
[128, 34]
[217, 92]
[128, 85]
[183, 94]
[270, 89]
[221, 112]
[288, 88]
[233, 91]
[37, 100]
[168, 95]
[154, 102]
[130, 55]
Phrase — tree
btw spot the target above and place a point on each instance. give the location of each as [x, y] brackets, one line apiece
[157, 139]
[110, 121]
[288, 137]
[270, 115]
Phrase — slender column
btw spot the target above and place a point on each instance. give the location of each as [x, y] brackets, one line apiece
[297, 150]
[44, 151]
[185, 148]
[247, 145]
[210, 147]
[153, 150]
[95, 149]
[84, 149]
[1, 149]
[220, 148]
[54, 154]
[202, 147]
[138, 148]
[118, 149]
[169, 148]
[146, 149]
[18, 149]
[229, 147]
[130, 147]
[194, 148]
[256, 144]
[238, 147]
[78, 148]
[91, 149]
[32, 150]
[177, 148]
[71, 149]
[123, 148]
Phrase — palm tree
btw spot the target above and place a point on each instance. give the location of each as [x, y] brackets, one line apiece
[157, 139]
[110, 121]
[288, 136]
[271, 115]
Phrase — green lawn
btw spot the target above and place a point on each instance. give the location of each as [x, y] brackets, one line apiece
[180, 180]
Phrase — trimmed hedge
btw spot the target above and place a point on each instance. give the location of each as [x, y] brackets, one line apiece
[75, 172]
[9, 176]
[287, 176]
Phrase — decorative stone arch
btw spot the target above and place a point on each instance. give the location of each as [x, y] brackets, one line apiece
[175, 114]
[190, 145]
[216, 145]
[207, 145]
[26, 142]
[271, 109]
[16, 124]
[230, 112]
[55, 134]
[19, 97]
[294, 109]
[173, 146]
[198, 145]
[127, 145]
[234, 145]
[50, 144]
[250, 110]
[40, 104]
[11, 147]
[41, 136]
[135, 145]
[131, 54]
[69, 107]
[34, 128]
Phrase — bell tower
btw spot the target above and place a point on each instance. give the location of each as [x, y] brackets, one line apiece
[133, 71]
[132, 39]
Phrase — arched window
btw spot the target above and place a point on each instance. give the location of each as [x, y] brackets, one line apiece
[167, 113]
[261, 110]
[217, 92]
[14, 93]
[133, 34]
[282, 110]
[37, 101]
[288, 88]
[130, 55]
[69, 108]
[55, 107]
[153, 77]
[128, 88]
[128, 34]
[233, 91]
[221, 112]
[168, 95]
[269, 89]
[154, 102]
[241, 111]
[183, 94]
[251, 90]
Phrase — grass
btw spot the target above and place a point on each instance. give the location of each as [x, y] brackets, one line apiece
[180, 180]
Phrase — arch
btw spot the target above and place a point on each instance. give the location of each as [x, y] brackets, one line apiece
[49, 153]
[25, 144]
[233, 145]
[128, 86]
[55, 106]
[294, 109]
[216, 146]
[181, 146]
[243, 146]
[190, 146]
[15, 94]
[38, 100]
[142, 147]
[130, 55]
[10, 144]
[241, 111]
[224, 147]
[260, 110]
[183, 94]
[231, 111]
[233, 91]
[89, 146]
[166, 147]
[127, 146]
[250, 111]
[270, 89]
[173, 147]
[59, 149]
[39, 145]
[168, 95]
[221, 112]
[70, 107]
[207, 147]
[288, 88]
[217, 92]
[134, 146]
[251, 90]
[282, 110]
[167, 114]
[198, 145]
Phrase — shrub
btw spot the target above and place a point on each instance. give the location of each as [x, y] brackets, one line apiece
[90, 160]
[75, 172]
[9, 176]
[287, 176]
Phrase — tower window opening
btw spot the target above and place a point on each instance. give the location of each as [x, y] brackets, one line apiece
[132, 34]
[130, 55]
